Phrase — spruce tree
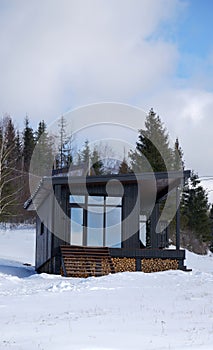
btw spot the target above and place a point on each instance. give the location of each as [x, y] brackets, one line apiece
[64, 157]
[211, 228]
[20, 180]
[9, 174]
[18, 152]
[194, 209]
[85, 153]
[178, 156]
[28, 148]
[41, 131]
[28, 144]
[123, 167]
[96, 162]
[42, 160]
[152, 148]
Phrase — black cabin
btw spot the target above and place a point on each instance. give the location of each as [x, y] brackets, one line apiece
[94, 225]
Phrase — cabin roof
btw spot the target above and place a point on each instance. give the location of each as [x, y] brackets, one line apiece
[160, 182]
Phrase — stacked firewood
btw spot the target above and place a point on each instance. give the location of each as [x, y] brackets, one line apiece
[106, 268]
[155, 265]
[81, 267]
[124, 264]
[76, 267]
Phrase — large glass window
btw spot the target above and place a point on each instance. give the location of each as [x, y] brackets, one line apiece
[77, 199]
[95, 200]
[113, 227]
[96, 220]
[76, 226]
[95, 227]
[114, 201]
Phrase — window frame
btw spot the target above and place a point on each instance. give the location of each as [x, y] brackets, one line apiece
[86, 205]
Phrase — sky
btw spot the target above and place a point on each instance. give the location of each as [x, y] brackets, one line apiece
[57, 55]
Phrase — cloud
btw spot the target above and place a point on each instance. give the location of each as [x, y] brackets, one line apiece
[186, 113]
[56, 55]
[60, 54]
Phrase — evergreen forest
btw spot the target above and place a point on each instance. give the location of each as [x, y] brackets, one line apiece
[19, 162]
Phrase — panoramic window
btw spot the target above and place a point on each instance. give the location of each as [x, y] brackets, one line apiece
[76, 226]
[95, 226]
[113, 227]
[95, 220]
[77, 199]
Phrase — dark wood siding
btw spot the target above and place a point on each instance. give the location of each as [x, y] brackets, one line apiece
[43, 232]
[60, 217]
[131, 211]
[57, 221]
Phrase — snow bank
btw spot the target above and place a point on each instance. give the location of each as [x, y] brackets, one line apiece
[165, 310]
[18, 244]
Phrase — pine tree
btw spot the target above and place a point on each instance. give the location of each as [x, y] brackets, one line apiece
[84, 157]
[18, 152]
[41, 131]
[64, 157]
[96, 162]
[85, 153]
[9, 175]
[28, 145]
[20, 180]
[178, 156]
[194, 209]
[152, 149]
[90, 159]
[211, 228]
[123, 167]
[42, 160]
[27, 152]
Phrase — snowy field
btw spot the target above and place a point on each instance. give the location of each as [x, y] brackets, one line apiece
[164, 310]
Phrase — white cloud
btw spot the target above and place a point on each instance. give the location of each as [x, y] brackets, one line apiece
[187, 115]
[56, 54]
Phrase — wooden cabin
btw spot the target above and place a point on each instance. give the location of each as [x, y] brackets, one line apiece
[95, 225]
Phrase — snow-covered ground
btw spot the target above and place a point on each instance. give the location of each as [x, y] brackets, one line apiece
[164, 310]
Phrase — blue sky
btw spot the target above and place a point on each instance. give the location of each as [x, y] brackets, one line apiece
[194, 37]
[194, 33]
[56, 55]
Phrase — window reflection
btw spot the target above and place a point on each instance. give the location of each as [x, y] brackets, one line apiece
[95, 227]
[96, 200]
[115, 201]
[76, 199]
[100, 219]
[76, 226]
[113, 227]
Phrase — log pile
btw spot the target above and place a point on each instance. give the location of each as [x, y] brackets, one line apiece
[155, 265]
[124, 264]
[86, 261]
[82, 267]
[77, 267]
[95, 261]
[106, 266]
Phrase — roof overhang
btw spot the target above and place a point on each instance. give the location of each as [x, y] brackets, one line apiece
[160, 182]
